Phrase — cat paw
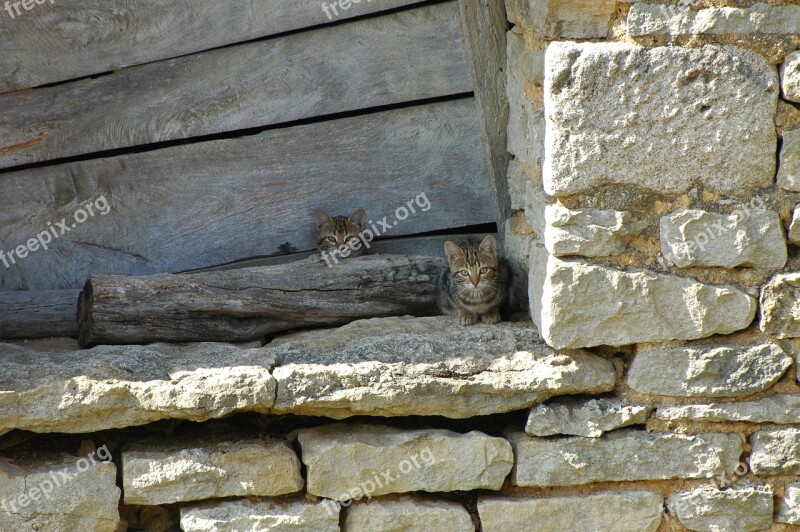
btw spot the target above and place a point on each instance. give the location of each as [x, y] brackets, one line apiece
[467, 318]
[491, 317]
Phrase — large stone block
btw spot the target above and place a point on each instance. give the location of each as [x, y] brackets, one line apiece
[584, 305]
[623, 455]
[776, 452]
[778, 408]
[790, 71]
[752, 237]
[618, 511]
[348, 462]
[182, 470]
[734, 510]
[708, 371]
[760, 18]
[789, 505]
[779, 304]
[789, 168]
[578, 418]
[588, 232]
[407, 514]
[567, 19]
[696, 115]
[427, 366]
[121, 386]
[295, 515]
[59, 493]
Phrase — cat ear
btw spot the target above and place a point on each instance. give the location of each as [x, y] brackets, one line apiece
[452, 251]
[489, 246]
[358, 218]
[321, 218]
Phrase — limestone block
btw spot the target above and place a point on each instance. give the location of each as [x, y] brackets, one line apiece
[734, 510]
[591, 418]
[760, 18]
[407, 514]
[297, 515]
[588, 232]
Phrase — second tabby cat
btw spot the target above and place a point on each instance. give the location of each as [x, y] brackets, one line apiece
[340, 236]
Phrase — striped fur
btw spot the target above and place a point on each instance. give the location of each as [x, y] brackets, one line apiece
[336, 232]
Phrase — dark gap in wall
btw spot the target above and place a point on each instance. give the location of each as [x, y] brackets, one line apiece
[486, 228]
[237, 133]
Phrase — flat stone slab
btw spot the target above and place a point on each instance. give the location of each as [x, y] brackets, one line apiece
[759, 19]
[578, 418]
[585, 305]
[779, 300]
[752, 238]
[182, 470]
[588, 232]
[407, 514]
[778, 408]
[734, 510]
[295, 515]
[620, 511]
[789, 505]
[790, 74]
[699, 115]
[776, 452]
[59, 492]
[123, 386]
[427, 366]
[708, 371]
[789, 167]
[623, 455]
[348, 462]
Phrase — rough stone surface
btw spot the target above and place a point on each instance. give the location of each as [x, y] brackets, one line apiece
[789, 505]
[620, 511]
[428, 366]
[58, 493]
[343, 461]
[776, 452]
[567, 19]
[789, 168]
[659, 19]
[526, 116]
[780, 306]
[779, 408]
[585, 305]
[296, 515]
[794, 228]
[519, 239]
[407, 514]
[754, 238]
[658, 118]
[589, 232]
[623, 455]
[121, 386]
[577, 418]
[790, 71]
[182, 470]
[734, 510]
[708, 371]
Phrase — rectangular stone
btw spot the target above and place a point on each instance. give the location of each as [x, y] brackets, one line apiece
[620, 456]
[588, 232]
[617, 511]
[778, 408]
[585, 305]
[584, 418]
[789, 505]
[407, 514]
[659, 19]
[182, 470]
[779, 299]
[776, 452]
[698, 115]
[297, 515]
[789, 167]
[349, 462]
[562, 19]
[525, 70]
[790, 72]
[742, 509]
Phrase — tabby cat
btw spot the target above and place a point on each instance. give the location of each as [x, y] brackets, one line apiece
[476, 283]
[339, 236]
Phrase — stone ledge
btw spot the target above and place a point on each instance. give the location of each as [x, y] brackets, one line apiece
[276, 515]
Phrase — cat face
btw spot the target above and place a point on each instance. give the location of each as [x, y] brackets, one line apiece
[337, 232]
[474, 267]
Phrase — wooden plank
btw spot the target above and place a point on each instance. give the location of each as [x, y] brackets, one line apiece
[67, 39]
[401, 57]
[239, 305]
[485, 25]
[42, 314]
[211, 203]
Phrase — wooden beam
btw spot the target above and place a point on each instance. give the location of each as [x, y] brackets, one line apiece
[70, 39]
[42, 314]
[211, 203]
[402, 57]
[238, 305]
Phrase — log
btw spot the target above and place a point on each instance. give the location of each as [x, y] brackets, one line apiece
[38, 314]
[239, 305]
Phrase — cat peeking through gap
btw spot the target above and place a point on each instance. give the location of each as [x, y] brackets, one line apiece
[340, 235]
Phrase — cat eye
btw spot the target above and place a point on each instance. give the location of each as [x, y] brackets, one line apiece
[465, 273]
[484, 270]
[332, 239]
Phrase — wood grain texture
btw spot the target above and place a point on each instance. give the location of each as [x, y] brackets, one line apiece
[211, 203]
[238, 305]
[401, 57]
[484, 24]
[42, 314]
[68, 39]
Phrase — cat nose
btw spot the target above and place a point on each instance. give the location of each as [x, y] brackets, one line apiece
[475, 280]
